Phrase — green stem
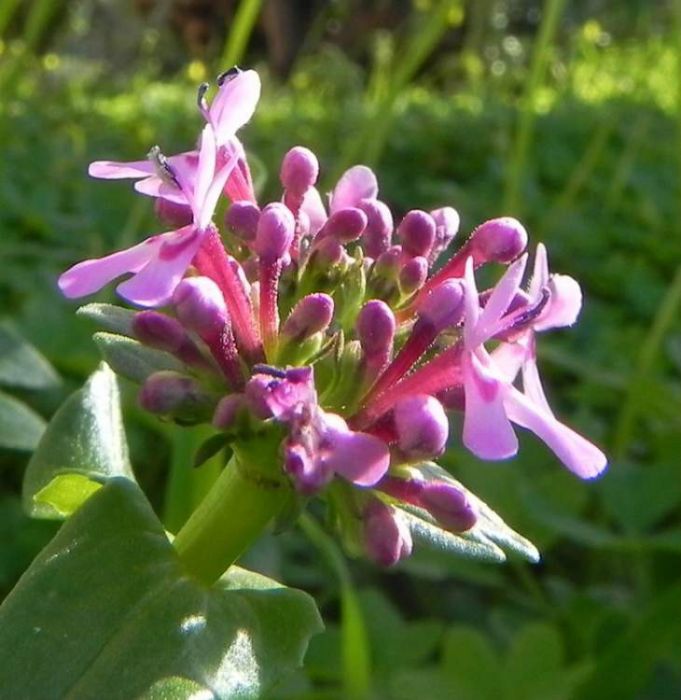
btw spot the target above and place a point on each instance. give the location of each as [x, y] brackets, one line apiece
[231, 516]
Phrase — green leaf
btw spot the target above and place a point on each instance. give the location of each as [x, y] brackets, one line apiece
[20, 426]
[133, 360]
[85, 437]
[489, 539]
[176, 688]
[21, 365]
[471, 664]
[106, 611]
[66, 493]
[113, 318]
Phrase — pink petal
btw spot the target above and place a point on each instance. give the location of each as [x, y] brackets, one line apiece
[155, 187]
[532, 386]
[508, 358]
[487, 431]
[234, 104]
[155, 283]
[205, 171]
[358, 457]
[213, 193]
[564, 305]
[540, 273]
[359, 182]
[471, 307]
[314, 208]
[112, 170]
[500, 299]
[578, 454]
[90, 276]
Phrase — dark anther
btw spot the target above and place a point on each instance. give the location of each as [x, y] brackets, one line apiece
[163, 167]
[271, 371]
[227, 75]
[203, 88]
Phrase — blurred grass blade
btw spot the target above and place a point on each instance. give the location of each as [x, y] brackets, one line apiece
[240, 32]
[7, 10]
[639, 385]
[354, 639]
[515, 174]
[39, 18]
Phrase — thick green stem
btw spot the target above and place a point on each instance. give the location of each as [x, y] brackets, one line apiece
[231, 516]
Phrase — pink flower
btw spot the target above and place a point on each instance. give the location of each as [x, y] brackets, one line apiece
[232, 107]
[159, 263]
[492, 403]
[319, 444]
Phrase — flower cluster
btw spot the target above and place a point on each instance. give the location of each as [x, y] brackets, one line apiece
[329, 328]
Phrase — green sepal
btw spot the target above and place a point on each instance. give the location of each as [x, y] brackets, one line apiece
[110, 317]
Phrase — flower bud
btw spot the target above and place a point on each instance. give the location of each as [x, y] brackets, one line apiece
[326, 253]
[388, 263]
[417, 233]
[446, 227]
[413, 275]
[442, 307]
[200, 306]
[387, 538]
[421, 425]
[379, 228]
[166, 393]
[310, 315]
[228, 410]
[274, 234]
[173, 213]
[375, 328]
[345, 225]
[159, 331]
[499, 240]
[299, 170]
[448, 505]
[242, 220]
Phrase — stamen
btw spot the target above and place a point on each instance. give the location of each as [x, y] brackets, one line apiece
[163, 168]
[227, 75]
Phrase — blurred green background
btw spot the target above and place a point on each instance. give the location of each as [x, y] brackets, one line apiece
[565, 114]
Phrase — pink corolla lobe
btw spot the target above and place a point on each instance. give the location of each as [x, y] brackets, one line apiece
[319, 444]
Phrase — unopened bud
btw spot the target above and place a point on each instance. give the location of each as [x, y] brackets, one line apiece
[387, 538]
[499, 240]
[446, 227]
[379, 228]
[173, 213]
[159, 331]
[448, 505]
[228, 411]
[200, 306]
[327, 252]
[242, 219]
[417, 233]
[376, 328]
[421, 425]
[345, 225]
[442, 307]
[388, 263]
[275, 231]
[171, 393]
[299, 170]
[413, 275]
[310, 315]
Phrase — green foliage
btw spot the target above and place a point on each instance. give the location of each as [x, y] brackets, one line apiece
[111, 572]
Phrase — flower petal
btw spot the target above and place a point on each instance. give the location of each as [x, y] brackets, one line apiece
[487, 431]
[90, 276]
[500, 299]
[234, 104]
[564, 304]
[540, 273]
[155, 283]
[153, 186]
[579, 455]
[314, 208]
[359, 182]
[358, 457]
[113, 170]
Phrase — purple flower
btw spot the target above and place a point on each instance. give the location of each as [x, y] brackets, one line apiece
[159, 263]
[492, 403]
[319, 444]
[158, 176]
